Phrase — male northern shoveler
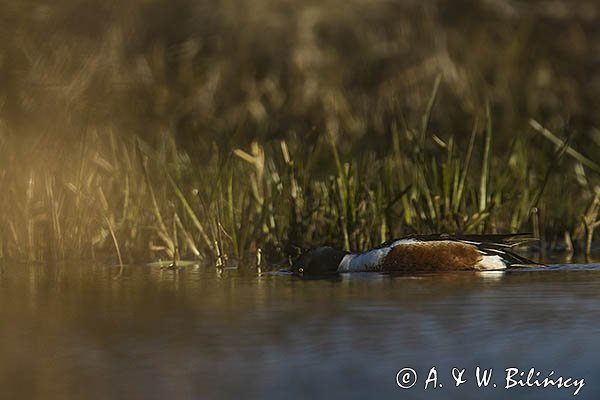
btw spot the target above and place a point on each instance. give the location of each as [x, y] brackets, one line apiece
[419, 253]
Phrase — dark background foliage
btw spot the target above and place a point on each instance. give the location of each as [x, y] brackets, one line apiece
[196, 80]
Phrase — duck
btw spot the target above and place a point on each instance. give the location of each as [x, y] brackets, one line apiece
[419, 253]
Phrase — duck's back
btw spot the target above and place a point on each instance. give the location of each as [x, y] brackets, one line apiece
[440, 253]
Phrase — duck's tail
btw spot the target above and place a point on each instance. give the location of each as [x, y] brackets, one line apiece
[497, 250]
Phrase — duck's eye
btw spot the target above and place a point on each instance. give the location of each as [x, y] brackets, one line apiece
[300, 270]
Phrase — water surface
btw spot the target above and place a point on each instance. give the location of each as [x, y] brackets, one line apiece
[77, 332]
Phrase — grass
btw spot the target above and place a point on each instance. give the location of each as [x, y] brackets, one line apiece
[108, 195]
[143, 131]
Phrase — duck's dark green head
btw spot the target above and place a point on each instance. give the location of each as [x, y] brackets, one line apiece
[318, 261]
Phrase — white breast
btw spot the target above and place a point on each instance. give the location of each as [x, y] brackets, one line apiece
[369, 260]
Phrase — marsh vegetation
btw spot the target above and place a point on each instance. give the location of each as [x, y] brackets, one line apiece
[224, 132]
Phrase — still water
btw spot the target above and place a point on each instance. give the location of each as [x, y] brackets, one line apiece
[75, 332]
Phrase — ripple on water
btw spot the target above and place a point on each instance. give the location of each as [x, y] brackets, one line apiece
[199, 333]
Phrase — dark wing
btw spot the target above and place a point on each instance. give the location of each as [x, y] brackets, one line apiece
[504, 240]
